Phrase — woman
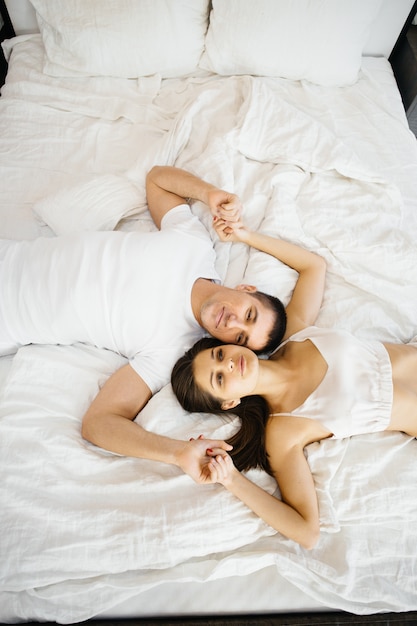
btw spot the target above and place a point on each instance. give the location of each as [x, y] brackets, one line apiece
[319, 383]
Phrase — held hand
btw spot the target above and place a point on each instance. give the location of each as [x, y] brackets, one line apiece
[229, 231]
[221, 469]
[195, 455]
[224, 205]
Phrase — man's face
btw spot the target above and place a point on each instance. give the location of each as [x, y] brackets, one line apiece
[236, 316]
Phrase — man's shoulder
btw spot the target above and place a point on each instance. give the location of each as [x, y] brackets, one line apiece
[182, 219]
[176, 215]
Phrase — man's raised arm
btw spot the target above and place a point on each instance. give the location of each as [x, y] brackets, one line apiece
[167, 187]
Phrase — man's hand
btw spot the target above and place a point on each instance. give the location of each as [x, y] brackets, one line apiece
[224, 205]
[195, 455]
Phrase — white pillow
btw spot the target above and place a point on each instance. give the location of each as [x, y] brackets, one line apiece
[123, 38]
[317, 40]
[98, 204]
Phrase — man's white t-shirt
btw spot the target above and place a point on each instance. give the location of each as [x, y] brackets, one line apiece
[128, 292]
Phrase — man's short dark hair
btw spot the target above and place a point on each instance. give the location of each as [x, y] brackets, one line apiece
[280, 324]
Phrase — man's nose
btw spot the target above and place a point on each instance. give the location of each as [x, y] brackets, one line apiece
[230, 319]
[230, 365]
[233, 321]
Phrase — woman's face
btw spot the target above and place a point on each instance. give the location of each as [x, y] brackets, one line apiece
[227, 372]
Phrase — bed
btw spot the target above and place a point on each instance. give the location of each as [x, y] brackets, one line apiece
[318, 148]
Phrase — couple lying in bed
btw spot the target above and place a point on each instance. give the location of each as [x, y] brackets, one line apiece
[148, 296]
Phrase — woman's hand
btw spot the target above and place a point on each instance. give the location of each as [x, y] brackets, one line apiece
[229, 231]
[222, 469]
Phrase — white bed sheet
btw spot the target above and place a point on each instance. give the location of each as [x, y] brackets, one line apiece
[333, 169]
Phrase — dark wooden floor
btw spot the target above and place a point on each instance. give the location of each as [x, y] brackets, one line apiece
[316, 619]
[291, 619]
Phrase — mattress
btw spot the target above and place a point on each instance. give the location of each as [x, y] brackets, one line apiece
[331, 168]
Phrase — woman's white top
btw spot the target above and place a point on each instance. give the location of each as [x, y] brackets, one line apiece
[355, 396]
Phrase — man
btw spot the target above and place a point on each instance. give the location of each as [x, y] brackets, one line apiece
[146, 296]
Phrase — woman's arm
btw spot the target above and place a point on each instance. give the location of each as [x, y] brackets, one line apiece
[306, 299]
[299, 523]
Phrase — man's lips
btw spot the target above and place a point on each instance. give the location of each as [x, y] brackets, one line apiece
[242, 365]
[219, 317]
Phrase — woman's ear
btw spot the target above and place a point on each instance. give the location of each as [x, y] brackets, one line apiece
[230, 404]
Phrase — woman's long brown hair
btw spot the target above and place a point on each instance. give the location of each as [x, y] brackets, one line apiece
[249, 442]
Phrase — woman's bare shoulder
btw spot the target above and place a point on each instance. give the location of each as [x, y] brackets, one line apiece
[288, 431]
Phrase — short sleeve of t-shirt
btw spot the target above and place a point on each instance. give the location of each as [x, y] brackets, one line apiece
[181, 218]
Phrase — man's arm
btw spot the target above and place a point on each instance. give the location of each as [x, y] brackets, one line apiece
[167, 187]
[109, 424]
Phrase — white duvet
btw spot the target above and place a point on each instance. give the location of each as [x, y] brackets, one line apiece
[332, 169]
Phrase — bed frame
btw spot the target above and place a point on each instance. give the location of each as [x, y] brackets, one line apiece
[283, 619]
[6, 32]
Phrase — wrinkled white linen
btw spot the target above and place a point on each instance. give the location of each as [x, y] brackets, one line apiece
[310, 164]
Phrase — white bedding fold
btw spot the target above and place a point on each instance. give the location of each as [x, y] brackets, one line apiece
[133, 514]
